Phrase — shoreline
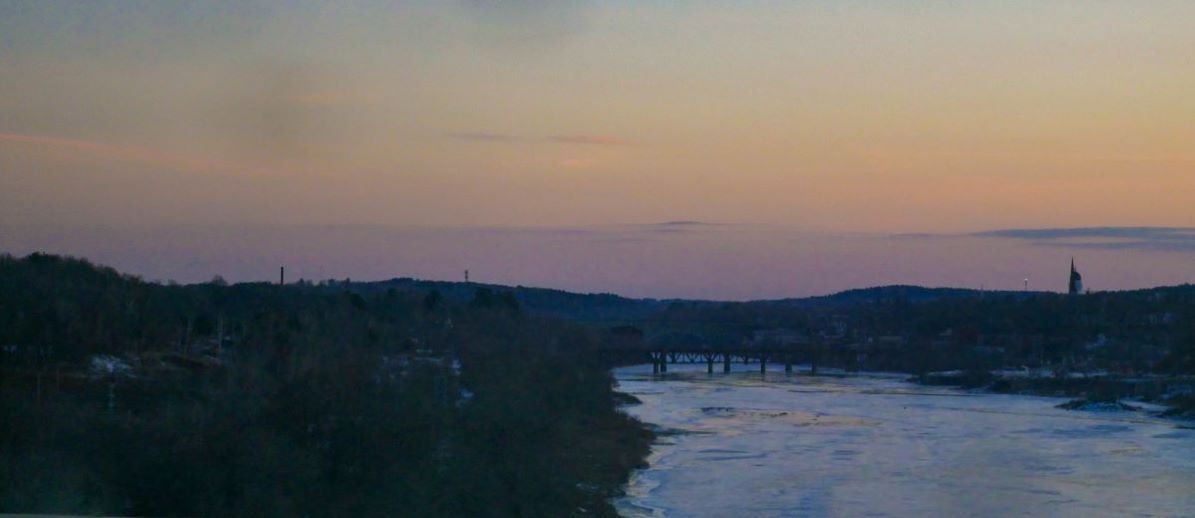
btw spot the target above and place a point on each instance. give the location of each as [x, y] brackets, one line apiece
[1154, 395]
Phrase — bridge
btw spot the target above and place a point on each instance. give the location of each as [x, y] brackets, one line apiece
[847, 356]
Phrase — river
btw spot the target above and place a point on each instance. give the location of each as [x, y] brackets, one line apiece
[741, 444]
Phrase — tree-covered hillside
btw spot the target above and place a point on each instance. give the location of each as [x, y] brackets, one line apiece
[119, 396]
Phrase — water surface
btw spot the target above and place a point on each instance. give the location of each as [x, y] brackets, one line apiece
[796, 445]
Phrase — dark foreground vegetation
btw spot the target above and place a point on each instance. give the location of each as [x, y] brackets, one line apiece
[119, 396]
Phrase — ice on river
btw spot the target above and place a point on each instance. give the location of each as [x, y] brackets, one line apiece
[739, 444]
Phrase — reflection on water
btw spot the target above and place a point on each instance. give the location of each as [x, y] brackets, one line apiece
[740, 444]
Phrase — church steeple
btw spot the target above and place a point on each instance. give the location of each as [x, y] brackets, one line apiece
[1076, 282]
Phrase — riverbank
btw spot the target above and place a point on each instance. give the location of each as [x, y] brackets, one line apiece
[1164, 396]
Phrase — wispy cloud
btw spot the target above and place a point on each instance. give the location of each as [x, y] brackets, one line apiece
[682, 223]
[593, 140]
[1178, 239]
[589, 140]
[477, 136]
[318, 98]
[678, 226]
[135, 154]
[526, 26]
[577, 163]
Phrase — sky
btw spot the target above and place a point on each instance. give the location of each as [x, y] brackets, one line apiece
[423, 125]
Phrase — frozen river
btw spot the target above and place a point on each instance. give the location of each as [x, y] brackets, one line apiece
[796, 445]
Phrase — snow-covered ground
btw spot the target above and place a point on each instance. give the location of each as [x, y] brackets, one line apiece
[854, 446]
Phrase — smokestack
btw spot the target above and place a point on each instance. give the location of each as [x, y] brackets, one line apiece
[281, 275]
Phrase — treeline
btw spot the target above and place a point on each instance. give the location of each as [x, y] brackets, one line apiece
[120, 396]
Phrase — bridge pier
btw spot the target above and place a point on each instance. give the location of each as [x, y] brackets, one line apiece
[790, 358]
[659, 362]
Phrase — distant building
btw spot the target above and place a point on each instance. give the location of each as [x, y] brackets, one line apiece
[1076, 284]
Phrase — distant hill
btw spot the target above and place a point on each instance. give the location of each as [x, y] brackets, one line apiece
[611, 307]
[545, 301]
[904, 292]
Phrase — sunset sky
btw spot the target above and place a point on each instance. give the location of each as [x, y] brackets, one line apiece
[817, 117]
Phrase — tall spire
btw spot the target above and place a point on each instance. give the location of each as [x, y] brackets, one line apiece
[1075, 286]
